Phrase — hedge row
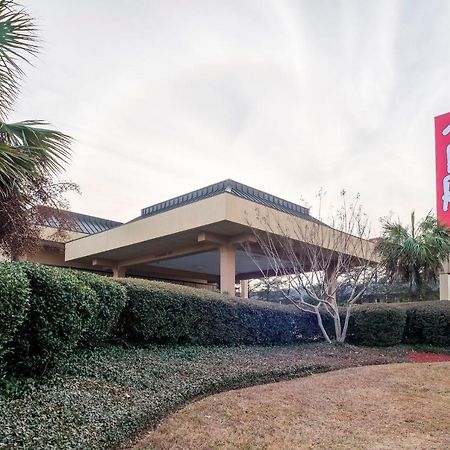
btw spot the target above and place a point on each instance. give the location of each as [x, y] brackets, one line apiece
[57, 310]
[14, 302]
[45, 313]
[401, 323]
[164, 313]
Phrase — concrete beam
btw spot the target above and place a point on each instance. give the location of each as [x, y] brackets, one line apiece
[218, 239]
[179, 274]
[242, 239]
[191, 250]
[211, 238]
[103, 262]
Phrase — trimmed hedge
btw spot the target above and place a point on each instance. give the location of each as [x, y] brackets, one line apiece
[424, 322]
[428, 323]
[14, 301]
[377, 325]
[46, 312]
[61, 307]
[112, 298]
[164, 313]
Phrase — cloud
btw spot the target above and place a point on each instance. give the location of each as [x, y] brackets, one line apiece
[287, 96]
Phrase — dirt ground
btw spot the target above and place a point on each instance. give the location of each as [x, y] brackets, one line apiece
[396, 406]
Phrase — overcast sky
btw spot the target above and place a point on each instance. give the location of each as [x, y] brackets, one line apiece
[164, 97]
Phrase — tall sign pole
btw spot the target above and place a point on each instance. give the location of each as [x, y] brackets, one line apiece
[442, 140]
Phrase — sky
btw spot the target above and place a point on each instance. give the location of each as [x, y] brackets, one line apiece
[290, 97]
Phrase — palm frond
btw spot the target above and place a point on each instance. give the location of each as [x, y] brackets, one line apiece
[14, 167]
[416, 251]
[18, 41]
[48, 148]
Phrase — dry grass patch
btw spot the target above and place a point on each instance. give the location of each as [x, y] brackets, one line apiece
[401, 406]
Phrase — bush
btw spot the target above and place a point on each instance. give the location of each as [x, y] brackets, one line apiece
[61, 307]
[112, 298]
[377, 325]
[14, 301]
[169, 314]
[428, 323]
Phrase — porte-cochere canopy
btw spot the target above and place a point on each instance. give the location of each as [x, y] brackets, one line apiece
[205, 236]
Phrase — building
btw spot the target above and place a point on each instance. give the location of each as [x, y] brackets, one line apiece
[200, 238]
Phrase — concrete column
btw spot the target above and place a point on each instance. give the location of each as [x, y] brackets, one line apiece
[244, 288]
[444, 286]
[119, 272]
[227, 269]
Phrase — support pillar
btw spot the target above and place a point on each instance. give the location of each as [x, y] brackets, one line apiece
[227, 269]
[444, 286]
[244, 288]
[119, 272]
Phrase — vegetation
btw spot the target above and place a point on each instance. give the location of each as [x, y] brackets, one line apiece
[100, 398]
[14, 302]
[427, 323]
[414, 253]
[378, 325]
[30, 153]
[164, 313]
[424, 322]
[61, 308]
[112, 298]
[377, 407]
[48, 312]
[309, 261]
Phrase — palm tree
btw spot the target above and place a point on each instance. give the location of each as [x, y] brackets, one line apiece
[27, 149]
[30, 153]
[414, 253]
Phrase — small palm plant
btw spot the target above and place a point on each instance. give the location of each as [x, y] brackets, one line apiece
[414, 253]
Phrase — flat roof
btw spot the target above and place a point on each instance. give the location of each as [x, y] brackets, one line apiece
[231, 187]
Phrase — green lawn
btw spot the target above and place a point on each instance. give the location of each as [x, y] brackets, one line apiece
[100, 399]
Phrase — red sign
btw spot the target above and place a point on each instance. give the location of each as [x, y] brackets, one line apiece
[442, 137]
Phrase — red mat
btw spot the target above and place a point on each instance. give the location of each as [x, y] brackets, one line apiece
[428, 357]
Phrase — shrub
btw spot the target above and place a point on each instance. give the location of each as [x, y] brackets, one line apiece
[112, 299]
[169, 314]
[61, 307]
[377, 325]
[14, 301]
[428, 323]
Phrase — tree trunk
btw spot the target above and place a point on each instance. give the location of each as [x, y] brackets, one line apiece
[346, 321]
[322, 328]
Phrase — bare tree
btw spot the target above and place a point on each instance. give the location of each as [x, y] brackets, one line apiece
[308, 260]
[40, 203]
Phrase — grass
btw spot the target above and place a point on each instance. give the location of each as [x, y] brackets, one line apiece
[99, 399]
[379, 407]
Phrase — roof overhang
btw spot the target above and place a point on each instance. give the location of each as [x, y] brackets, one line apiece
[178, 234]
